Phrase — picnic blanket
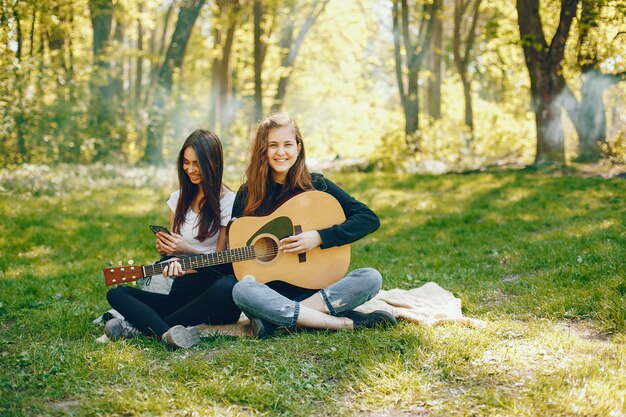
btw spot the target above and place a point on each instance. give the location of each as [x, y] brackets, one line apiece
[429, 304]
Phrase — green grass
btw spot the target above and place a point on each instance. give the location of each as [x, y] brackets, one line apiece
[539, 257]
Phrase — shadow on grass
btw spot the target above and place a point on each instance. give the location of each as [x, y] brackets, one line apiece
[547, 247]
[467, 233]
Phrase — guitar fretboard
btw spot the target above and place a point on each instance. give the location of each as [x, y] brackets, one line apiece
[206, 259]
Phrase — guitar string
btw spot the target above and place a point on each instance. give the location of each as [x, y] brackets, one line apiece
[235, 258]
[188, 264]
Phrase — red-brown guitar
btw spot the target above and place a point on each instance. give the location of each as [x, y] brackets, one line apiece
[255, 242]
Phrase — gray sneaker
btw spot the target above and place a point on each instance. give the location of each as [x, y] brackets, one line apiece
[181, 337]
[261, 329]
[118, 329]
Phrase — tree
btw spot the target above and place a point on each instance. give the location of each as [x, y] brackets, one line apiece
[466, 13]
[544, 62]
[158, 51]
[433, 86]
[227, 13]
[290, 43]
[21, 111]
[126, 77]
[102, 89]
[187, 16]
[136, 94]
[260, 48]
[588, 114]
[407, 68]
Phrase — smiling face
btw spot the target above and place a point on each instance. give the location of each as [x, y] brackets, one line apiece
[282, 151]
[190, 165]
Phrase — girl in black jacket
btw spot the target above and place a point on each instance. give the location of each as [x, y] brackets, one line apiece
[276, 172]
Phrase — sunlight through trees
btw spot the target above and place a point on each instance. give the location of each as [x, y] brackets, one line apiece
[466, 83]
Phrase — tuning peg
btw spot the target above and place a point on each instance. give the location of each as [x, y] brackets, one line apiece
[119, 263]
[110, 264]
[131, 262]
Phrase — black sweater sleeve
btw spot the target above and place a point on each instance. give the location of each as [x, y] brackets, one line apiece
[240, 199]
[360, 219]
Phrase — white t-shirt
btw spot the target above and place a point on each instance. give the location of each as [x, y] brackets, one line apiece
[189, 229]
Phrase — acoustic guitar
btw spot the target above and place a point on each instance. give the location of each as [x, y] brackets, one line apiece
[255, 242]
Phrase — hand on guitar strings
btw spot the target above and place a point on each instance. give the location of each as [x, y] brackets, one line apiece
[171, 244]
[301, 243]
[174, 269]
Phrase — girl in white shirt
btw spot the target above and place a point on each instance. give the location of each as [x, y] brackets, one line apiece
[199, 213]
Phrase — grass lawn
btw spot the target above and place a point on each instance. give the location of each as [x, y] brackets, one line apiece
[541, 257]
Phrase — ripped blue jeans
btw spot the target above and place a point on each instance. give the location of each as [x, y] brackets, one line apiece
[268, 303]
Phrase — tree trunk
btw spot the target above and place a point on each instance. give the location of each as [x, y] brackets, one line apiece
[221, 113]
[158, 59]
[32, 34]
[20, 118]
[117, 68]
[102, 91]
[411, 60]
[74, 150]
[411, 108]
[435, 61]
[462, 46]
[590, 116]
[139, 63]
[544, 64]
[41, 59]
[225, 80]
[550, 140]
[56, 46]
[293, 47]
[71, 67]
[19, 35]
[591, 126]
[121, 96]
[101, 18]
[467, 94]
[173, 61]
[214, 96]
[258, 60]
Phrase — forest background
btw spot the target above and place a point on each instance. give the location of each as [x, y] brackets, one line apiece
[402, 85]
[96, 97]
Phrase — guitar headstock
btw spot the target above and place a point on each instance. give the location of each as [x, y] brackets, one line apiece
[122, 274]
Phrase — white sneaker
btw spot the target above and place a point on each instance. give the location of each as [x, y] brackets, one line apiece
[181, 337]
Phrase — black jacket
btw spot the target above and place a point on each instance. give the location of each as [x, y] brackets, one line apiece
[360, 220]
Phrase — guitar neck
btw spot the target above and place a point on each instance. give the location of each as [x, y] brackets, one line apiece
[206, 259]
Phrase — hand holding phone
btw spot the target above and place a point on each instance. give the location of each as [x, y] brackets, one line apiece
[156, 229]
[169, 243]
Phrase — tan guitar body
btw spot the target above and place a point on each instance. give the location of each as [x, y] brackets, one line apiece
[317, 268]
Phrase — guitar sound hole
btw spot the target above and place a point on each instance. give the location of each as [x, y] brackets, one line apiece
[266, 249]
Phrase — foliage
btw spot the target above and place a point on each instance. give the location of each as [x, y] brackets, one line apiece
[342, 86]
[44, 180]
[615, 151]
[538, 255]
[501, 136]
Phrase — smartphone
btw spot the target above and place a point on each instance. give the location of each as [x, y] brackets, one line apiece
[156, 229]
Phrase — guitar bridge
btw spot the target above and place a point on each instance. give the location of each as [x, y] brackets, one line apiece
[297, 230]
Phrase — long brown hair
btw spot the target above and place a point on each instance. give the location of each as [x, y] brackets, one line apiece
[210, 157]
[258, 172]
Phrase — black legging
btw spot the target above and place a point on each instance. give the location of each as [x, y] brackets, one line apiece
[204, 297]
